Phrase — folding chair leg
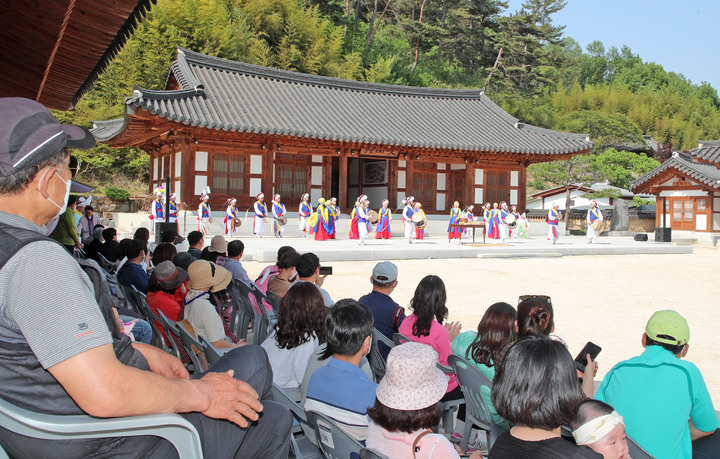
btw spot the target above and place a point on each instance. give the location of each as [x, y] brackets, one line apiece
[466, 435]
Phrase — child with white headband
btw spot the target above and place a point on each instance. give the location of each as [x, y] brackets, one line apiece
[600, 427]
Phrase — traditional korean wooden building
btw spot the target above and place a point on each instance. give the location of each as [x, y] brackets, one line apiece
[243, 129]
[690, 186]
[53, 50]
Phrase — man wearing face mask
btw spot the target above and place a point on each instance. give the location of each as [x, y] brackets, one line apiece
[71, 359]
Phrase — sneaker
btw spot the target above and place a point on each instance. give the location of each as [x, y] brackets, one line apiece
[456, 437]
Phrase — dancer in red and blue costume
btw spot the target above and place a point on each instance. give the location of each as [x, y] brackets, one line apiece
[492, 230]
[383, 226]
[504, 228]
[157, 211]
[324, 227]
[419, 232]
[454, 233]
[304, 212]
[354, 230]
[553, 218]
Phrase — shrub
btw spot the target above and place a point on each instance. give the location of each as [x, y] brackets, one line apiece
[116, 194]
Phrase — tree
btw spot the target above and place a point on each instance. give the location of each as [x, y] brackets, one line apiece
[620, 168]
[577, 171]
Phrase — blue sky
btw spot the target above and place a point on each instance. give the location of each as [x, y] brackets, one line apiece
[681, 35]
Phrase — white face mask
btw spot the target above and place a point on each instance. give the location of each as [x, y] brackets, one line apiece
[68, 184]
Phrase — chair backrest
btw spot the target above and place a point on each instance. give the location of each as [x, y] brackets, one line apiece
[106, 264]
[174, 345]
[375, 357]
[367, 453]
[239, 318]
[335, 443]
[275, 301]
[175, 330]
[211, 352]
[471, 382]
[172, 427]
[399, 339]
[152, 318]
[261, 321]
[636, 451]
[298, 412]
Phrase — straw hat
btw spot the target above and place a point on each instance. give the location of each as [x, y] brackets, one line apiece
[206, 275]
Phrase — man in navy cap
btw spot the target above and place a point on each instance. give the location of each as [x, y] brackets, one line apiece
[61, 353]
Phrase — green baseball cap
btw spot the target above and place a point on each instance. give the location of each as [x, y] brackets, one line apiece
[668, 323]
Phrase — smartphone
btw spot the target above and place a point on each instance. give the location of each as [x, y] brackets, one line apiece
[581, 359]
[325, 270]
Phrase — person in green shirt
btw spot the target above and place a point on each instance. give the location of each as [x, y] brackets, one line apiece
[497, 328]
[66, 230]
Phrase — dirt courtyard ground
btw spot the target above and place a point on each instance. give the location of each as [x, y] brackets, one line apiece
[603, 299]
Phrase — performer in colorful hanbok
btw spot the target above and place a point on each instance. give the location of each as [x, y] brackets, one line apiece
[470, 214]
[354, 231]
[523, 225]
[157, 210]
[594, 214]
[364, 227]
[334, 213]
[325, 224]
[260, 214]
[382, 230]
[553, 219]
[278, 211]
[454, 233]
[231, 212]
[514, 231]
[204, 214]
[304, 213]
[503, 225]
[492, 225]
[173, 211]
[419, 232]
[408, 222]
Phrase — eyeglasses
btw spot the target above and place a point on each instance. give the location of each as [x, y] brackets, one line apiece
[545, 298]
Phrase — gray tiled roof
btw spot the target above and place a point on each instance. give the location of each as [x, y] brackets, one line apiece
[233, 96]
[709, 150]
[707, 174]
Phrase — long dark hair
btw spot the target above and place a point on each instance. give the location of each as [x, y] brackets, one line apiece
[428, 304]
[495, 330]
[301, 316]
[535, 317]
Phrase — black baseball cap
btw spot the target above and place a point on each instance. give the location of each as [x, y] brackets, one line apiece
[30, 134]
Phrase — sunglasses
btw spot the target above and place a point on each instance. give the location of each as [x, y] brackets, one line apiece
[545, 298]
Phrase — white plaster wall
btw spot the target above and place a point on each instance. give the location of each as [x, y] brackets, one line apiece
[155, 169]
[317, 158]
[401, 179]
[513, 197]
[255, 186]
[316, 176]
[682, 193]
[441, 166]
[514, 178]
[201, 161]
[178, 198]
[701, 222]
[256, 164]
[178, 164]
[441, 181]
[200, 184]
[479, 196]
[479, 174]
[400, 197]
[457, 167]
[314, 196]
[440, 201]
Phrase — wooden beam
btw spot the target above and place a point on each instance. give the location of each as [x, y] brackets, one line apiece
[342, 180]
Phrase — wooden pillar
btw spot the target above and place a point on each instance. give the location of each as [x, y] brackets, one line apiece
[469, 191]
[342, 180]
[522, 192]
[409, 178]
[187, 174]
[392, 181]
[267, 185]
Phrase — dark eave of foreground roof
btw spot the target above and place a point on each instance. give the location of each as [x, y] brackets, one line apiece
[707, 174]
[233, 96]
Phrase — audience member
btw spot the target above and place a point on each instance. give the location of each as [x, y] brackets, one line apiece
[131, 274]
[406, 407]
[66, 230]
[272, 270]
[110, 248]
[166, 291]
[600, 427]
[340, 389]
[217, 250]
[663, 398]
[536, 390]
[163, 252]
[48, 366]
[497, 329]
[535, 317]
[88, 223]
[298, 331]
[280, 283]
[92, 249]
[143, 234]
[196, 240]
[205, 278]
[308, 270]
[387, 313]
[183, 260]
[232, 263]
[425, 325]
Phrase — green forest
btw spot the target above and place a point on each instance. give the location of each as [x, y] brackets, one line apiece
[525, 63]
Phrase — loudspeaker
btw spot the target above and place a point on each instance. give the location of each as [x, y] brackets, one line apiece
[641, 237]
[161, 227]
[663, 234]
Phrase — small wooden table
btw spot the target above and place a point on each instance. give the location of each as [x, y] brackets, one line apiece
[480, 224]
